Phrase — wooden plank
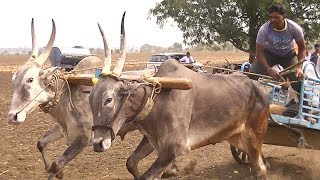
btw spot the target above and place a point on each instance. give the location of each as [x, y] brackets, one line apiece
[166, 82]
[172, 83]
[282, 136]
[79, 79]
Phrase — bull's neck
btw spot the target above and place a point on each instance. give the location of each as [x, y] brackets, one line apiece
[58, 91]
[142, 97]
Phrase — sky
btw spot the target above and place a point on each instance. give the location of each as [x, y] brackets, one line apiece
[76, 22]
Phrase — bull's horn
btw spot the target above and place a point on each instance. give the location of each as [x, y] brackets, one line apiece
[44, 56]
[107, 53]
[120, 64]
[35, 51]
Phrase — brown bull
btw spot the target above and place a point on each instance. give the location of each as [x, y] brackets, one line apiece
[217, 108]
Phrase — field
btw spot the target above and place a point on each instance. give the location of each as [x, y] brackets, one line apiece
[20, 158]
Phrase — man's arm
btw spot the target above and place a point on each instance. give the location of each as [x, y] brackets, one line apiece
[183, 59]
[301, 49]
[301, 56]
[260, 56]
[263, 61]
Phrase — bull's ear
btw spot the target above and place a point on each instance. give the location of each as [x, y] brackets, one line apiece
[47, 73]
[129, 88]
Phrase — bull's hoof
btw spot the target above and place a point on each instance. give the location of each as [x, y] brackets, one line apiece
[54, 169]
[60, 175]
[170, 173]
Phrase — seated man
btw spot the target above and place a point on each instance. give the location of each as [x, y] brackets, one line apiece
[187, 59]
[275, 43]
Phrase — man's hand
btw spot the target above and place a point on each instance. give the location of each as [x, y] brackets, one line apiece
[274, 74]
[299, 72]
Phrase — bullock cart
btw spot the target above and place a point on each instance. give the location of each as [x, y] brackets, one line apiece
[292, 129]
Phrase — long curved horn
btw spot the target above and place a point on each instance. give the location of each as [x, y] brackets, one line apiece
[107, 53]
[120, 64]
[35, 50]
[44, 56]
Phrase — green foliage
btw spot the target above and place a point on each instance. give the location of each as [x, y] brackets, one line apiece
[151, 48]
[236, 21]
[176, 47]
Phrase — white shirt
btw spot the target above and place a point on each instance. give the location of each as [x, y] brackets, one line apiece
[187, 59]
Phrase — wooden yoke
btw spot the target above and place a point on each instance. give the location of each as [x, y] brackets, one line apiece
[166, 82]
[172, 83]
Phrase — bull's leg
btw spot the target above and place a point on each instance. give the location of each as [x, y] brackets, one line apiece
[252, 147]
[71, 152]
[142, 151]
[257, 160]
[164, 159]
[50, 136]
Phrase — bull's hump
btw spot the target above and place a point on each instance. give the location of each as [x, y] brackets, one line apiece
[173, 67]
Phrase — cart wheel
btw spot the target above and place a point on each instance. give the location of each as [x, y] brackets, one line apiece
[239, 156]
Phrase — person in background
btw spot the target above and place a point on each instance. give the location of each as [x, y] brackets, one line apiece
[187, 59]
[314, 56]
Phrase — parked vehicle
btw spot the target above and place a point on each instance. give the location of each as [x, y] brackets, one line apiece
[157, 59]
[68, 58]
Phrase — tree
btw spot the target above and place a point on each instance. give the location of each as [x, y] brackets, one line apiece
[176, 47]
[91, 50]
[150, 48]
[234, 21]
[146, 48]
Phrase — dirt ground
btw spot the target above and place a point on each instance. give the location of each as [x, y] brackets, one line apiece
[20, 159]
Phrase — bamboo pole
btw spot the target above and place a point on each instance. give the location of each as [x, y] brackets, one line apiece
[291, 67]
[247, 73]
[166, 82]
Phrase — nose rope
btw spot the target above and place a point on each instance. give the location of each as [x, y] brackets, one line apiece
[33, 99]
[56, 94]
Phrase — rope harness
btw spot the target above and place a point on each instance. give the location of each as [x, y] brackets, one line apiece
[144, 110]
[47, 107]
[54, 82]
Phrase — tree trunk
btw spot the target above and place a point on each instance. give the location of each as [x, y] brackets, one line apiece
[253, 29]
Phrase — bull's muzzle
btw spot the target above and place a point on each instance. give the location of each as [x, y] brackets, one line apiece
[101, 144]
[16, 118]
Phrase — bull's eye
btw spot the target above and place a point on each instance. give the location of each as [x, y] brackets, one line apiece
[30, 80]
[107, 101]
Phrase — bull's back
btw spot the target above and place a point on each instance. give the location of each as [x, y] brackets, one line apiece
[219, 104]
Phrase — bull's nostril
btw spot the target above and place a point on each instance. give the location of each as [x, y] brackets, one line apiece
[15, 117]
[97, 147]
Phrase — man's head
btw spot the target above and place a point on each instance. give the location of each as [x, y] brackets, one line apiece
[317, 48]
[188, 54]
[277, 16]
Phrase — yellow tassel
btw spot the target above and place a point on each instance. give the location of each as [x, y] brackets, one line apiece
[95, 81]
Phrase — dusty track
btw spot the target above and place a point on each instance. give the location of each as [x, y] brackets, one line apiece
[20, 158]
